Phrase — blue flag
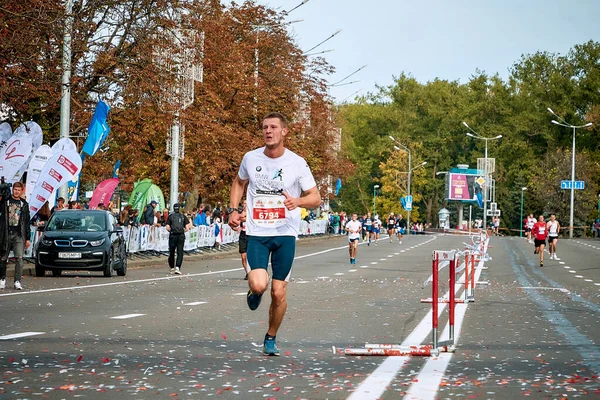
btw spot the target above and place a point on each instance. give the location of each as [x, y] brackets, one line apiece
[98, 129]
[116, 169]
[479, 200]
[338, 186]
[73, 188]
[403, 201]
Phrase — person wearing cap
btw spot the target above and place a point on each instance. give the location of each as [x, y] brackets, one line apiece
[177, 225]
[149, 213]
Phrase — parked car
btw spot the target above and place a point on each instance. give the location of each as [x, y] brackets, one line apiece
[81, 240]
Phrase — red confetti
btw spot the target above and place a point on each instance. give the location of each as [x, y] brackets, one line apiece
[79, 358]
[11, 359]
[105, 359]
[287, 353]
[224, 336]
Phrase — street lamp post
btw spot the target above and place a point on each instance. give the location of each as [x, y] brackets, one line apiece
[574, 127]
[487, 180]
[375, 199]
[523, 189]
[410, 170]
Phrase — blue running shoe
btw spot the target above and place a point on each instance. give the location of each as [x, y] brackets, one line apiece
[270, 348]
[253, 300]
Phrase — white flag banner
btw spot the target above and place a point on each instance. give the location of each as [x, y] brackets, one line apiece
[59, 169]
[64, 144]
[14, 153]
[40, 158]
[5, 131]
[37, 136]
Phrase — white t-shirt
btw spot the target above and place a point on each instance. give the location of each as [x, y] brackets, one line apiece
[352, 227]
[267, 179]
[553, 228]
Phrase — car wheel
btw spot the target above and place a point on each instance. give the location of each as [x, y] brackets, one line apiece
[109, 267]
[123, 270]
[56, 272]
[39, 271]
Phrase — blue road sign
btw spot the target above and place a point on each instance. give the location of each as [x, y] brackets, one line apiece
[578, 185]
[408, 202]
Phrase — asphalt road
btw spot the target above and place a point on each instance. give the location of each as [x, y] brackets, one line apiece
[530, 332]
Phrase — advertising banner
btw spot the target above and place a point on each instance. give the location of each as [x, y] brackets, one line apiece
[14, 153]
[465, 187]
[40, 158]
[103, 192]
[60, 168]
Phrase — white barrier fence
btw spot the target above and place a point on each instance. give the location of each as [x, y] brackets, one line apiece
[152, 238]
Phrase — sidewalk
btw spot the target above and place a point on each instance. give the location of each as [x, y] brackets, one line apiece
[149, 259]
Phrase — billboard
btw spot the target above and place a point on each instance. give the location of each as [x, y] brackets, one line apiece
[465, 186]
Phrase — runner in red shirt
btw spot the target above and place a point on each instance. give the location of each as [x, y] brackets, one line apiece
[540, 233]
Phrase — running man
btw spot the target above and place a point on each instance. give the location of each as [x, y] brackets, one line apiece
[391, 224]
[368, 227]
[353, 227]
[400, 228]
[279, 184]
[540, 233]
[376, 228]
[553, 228]
[243, 240]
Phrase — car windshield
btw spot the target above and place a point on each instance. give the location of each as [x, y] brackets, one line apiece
[77, 222]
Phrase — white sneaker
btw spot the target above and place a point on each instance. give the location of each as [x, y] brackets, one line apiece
[177, 271]
[2, 283]
[18, 285]
[556, 257]
[172, 271]
[400, 242]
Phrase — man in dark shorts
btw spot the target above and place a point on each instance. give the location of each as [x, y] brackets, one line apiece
[279, 184]
[391, 224]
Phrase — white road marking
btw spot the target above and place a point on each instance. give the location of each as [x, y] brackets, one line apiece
[545, 288]
[118, 283]
[195, 303]
[127, 316]
[339, 273]
[20, 335]
[351, 270]
[243, 294]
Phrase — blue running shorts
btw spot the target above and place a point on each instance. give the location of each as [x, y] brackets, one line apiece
[281, 249]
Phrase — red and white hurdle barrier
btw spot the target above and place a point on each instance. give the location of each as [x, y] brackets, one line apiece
[438, 346]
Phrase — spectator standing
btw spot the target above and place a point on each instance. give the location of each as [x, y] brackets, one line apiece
[60, 204]
[42, 216]
[177, 225]
[15, 225]
[336, 223]
[149, 213]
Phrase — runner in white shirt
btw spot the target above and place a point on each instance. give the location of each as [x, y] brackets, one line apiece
[279, 184]
[353, 227]
[553, 229]
[530, 222]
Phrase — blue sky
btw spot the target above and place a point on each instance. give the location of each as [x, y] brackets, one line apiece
[436, 38]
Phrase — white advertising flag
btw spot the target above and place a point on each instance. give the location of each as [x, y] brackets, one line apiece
[37, 136]
[14, 153]
[59, 169]
[40, 158]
